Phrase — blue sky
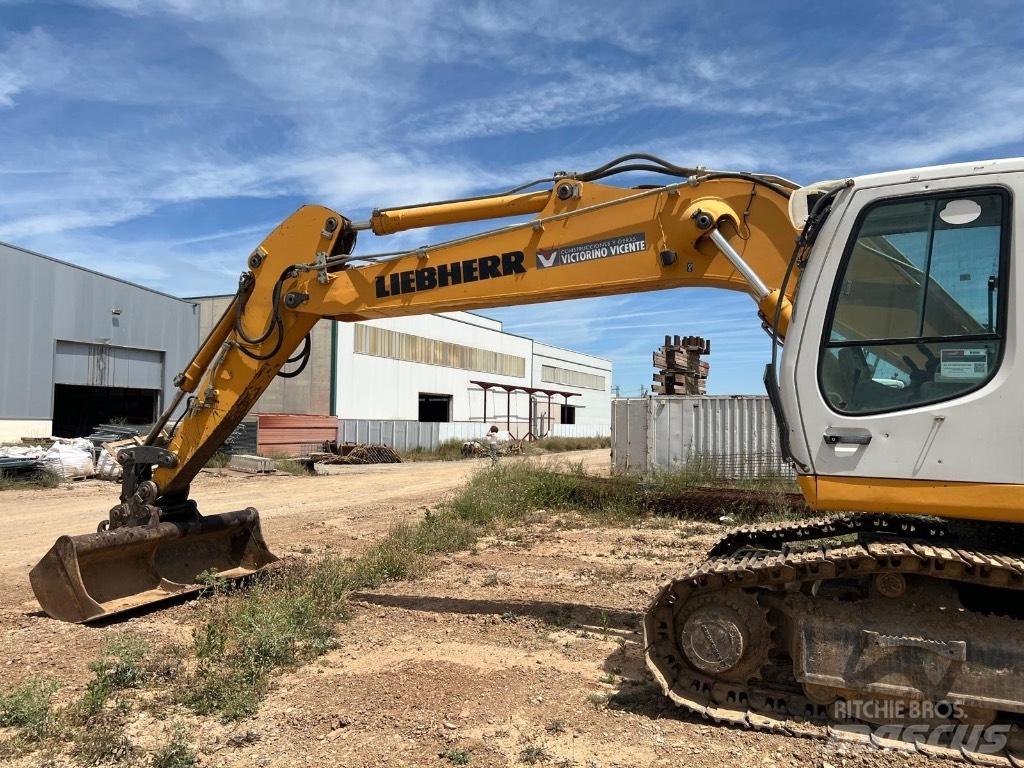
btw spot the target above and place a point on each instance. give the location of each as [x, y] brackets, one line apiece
[159, 140]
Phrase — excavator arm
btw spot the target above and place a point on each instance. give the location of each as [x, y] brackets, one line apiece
[585, 239]
[576, 239]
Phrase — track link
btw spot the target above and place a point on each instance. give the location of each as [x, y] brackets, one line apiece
[762, 558]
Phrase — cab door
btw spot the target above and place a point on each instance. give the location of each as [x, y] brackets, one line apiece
[906, 363]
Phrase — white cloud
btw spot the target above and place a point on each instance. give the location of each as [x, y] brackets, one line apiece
[29, 60]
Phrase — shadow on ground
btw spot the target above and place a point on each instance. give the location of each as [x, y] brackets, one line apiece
[554, 613]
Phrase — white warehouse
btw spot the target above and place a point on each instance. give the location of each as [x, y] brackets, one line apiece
[459, 368]
[462, 367]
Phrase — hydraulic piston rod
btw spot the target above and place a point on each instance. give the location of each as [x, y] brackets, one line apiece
[757, 286]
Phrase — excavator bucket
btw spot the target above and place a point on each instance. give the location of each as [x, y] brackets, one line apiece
[96, 575]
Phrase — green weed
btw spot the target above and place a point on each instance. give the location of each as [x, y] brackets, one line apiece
[514, 490]
[103, 743]
[456, 756]
[177, 753]
[27, 708]
[532, 754]
[121, 665]
[290, 616]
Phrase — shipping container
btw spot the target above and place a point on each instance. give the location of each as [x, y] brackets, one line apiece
[735, 436]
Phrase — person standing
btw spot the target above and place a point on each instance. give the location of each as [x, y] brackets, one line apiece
[492, 444]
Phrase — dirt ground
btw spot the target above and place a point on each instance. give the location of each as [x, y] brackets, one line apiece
[506, 655]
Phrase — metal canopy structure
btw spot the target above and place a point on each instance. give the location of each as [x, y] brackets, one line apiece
[511, 389]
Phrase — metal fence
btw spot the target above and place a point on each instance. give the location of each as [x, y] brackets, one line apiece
[409, 435]
[732, 437]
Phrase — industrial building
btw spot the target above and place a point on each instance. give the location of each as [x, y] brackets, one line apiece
[456, 367]
[81, 348]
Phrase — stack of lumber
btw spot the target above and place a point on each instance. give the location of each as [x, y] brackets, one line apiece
[680, 371]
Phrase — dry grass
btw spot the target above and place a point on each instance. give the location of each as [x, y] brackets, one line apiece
[41, 479]
[451, 450]
[292, 616]
[562, 444]
[219, 460]
[293, 467]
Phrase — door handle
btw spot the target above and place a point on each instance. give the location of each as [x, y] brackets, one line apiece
[834, 436]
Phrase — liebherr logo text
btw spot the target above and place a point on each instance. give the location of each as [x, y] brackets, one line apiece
[443, 275]
[597, 249]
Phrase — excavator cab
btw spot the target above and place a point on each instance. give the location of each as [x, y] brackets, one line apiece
[900, 360]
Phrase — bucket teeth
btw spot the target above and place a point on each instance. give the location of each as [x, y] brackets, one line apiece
[83, 578]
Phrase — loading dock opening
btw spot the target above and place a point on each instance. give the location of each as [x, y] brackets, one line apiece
[435, 408]
[77, 409]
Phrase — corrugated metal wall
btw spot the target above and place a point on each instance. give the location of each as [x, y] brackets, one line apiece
[43, 301]
[736, 435]
[309, 392]
[100, 365]
[409, 435]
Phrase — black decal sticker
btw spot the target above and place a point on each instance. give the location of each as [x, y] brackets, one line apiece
[512, 263]
[490, 266]
[407, 281]
[444, 275]
[449, 274]
[426, 279]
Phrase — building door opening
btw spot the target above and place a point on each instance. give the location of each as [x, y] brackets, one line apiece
[434, 408]
[77, 410]
[568, 414]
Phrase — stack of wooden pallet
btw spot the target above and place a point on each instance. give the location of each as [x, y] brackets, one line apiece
[680, 371]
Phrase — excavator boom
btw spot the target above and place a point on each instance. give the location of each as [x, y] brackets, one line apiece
[584, 239]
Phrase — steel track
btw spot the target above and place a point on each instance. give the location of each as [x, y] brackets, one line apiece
[759, 557]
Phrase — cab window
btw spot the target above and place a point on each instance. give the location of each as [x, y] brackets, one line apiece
[917, 312]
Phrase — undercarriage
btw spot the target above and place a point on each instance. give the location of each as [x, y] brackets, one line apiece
[904, 632]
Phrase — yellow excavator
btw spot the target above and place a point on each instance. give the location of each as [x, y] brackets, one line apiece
[891, 303]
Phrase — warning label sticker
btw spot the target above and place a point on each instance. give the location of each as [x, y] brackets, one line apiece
[963, 365]
[597, 249]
